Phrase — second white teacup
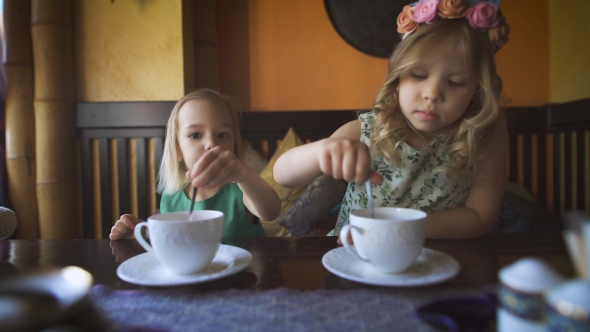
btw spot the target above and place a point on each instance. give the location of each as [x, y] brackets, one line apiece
[390, 242]
[183, 246]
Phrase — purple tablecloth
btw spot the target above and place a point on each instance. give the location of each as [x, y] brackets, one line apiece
[279, 309]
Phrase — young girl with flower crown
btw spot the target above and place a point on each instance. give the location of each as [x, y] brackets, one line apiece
[435, 139]
[202, 150]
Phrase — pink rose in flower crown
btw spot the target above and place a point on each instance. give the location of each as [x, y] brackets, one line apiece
[482, 16]
[498, 35]
[405, 24]
[451, 8]
[425, 11]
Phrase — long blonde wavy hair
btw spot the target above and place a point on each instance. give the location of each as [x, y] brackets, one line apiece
[171, 176]
[465, 139]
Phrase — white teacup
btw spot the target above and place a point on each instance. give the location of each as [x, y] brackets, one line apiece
[183, 246]
[390, 242]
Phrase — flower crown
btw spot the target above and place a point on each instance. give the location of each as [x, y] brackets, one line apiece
[483, 15]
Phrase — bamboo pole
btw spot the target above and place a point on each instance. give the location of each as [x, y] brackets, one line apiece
[51, 28]
[20, 121]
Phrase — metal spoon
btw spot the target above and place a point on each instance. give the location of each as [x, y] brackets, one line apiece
[193, 202]
[370, 196]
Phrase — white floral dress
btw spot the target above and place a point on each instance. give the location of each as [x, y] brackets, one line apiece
[416, 185]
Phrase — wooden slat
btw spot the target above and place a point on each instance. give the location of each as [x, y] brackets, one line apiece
[550, 173]
[586, 172]
[87, 192]
[105, 187]
[540, 192]
[527, 164]
[151, 176]
[96, 201]
[158, 150]
[581, 176]
[142, 173]
[513, 156]
[123, 176]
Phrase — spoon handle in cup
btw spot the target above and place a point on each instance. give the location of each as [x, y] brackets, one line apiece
[370, 197]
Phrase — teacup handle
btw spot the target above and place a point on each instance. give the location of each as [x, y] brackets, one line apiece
[139, 236]
[346, 229]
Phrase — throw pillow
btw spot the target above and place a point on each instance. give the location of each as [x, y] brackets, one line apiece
[253, 159]
[287, 195]
[314, 212]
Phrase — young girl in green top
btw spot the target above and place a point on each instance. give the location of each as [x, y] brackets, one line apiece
[202, 150]
[436, 139]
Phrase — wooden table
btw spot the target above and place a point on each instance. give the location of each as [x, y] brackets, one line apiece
[288, 262]
[288, 271]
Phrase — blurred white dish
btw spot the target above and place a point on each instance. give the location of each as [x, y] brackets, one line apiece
[146, 270]
[529, 275]
[431, 267]
[570, 306]
[30, 301]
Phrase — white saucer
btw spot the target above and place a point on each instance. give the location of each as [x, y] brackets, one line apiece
[431, 267]
[146, 270]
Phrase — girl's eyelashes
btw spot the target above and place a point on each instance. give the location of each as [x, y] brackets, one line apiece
[195, 135]
[198, 135]
[455, 84]
[418, 76]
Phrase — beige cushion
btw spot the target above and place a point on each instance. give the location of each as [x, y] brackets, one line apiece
[287, 195]
[253, 159]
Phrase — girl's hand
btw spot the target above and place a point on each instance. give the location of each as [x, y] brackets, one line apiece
[216, 167]
[124, 227]
[349, 240]
[347, 159]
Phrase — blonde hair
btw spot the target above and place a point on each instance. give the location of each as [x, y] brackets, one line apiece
[171, 176]
[465, 138]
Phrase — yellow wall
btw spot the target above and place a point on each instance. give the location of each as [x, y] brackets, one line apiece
[128, 50]
[570, 50]
[297, 61]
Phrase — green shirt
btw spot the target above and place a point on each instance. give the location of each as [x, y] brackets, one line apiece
[227, 200]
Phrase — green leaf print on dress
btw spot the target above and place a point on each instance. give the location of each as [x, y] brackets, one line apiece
[416, 184]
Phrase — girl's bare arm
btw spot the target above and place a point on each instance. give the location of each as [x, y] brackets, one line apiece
[342, 156]
[259, 197]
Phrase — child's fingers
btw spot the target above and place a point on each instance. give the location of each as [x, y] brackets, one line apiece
[376, 178]
[196, 171]
[117, 234]
[219, 175]
[325, 162]
[349, 161]
[219, 170]
[363, 164]
[128, 220]
[337, 164]
[349, 239]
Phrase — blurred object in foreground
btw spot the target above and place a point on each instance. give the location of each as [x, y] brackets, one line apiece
[8, 222]
[46, 299]
[577, 240]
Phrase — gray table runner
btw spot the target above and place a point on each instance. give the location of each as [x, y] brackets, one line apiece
[280, 309]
